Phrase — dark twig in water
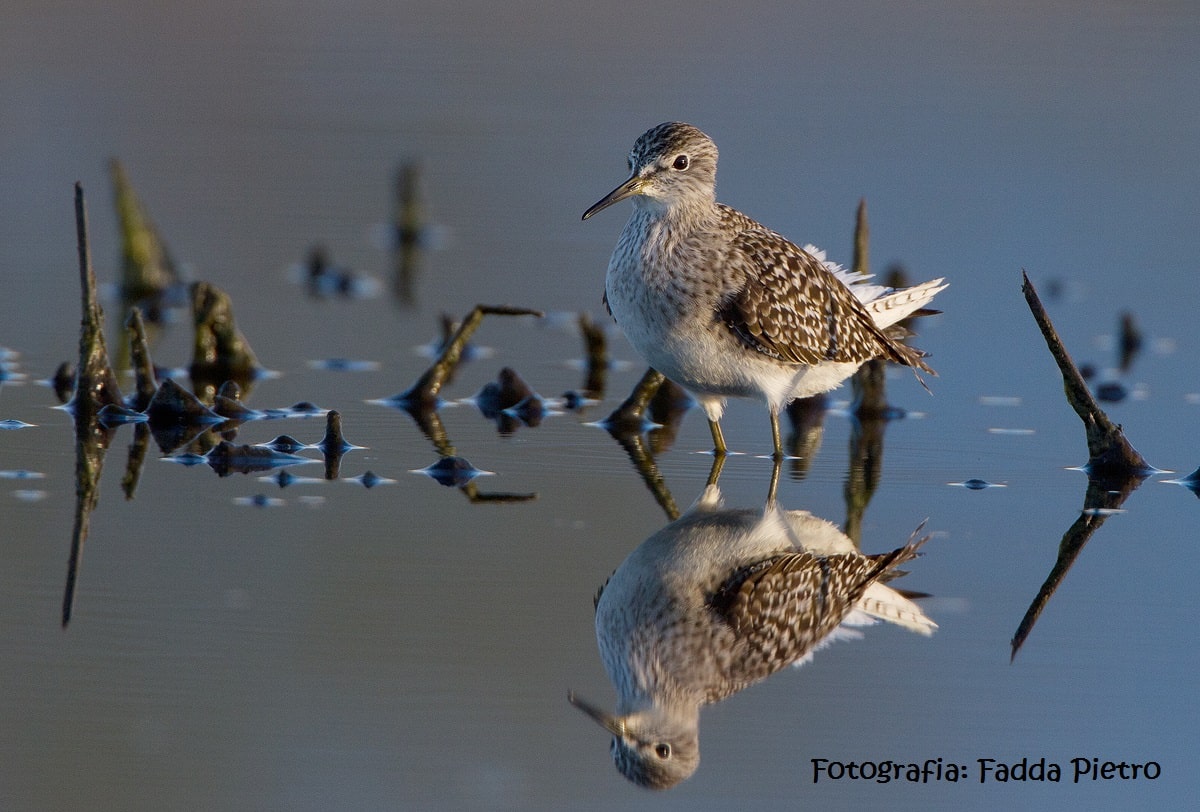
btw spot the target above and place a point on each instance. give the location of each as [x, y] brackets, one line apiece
[421, 400]
[146, 266]
[409, 224]
[219, 351]
[95, 384]
[1129, 342]
[630, 416]
[870, 405]
[667, 408]
[596, 346]
[1114, 469]
[862, 237]
[333, 445]
[409, 221]
[424, 393]
[1110, 454]
[869, 384]
[95, 387]
[143, 367]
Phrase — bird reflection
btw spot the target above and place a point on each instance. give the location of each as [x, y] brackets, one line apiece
[718, 600]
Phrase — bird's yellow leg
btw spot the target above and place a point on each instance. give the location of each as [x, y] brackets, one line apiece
[718, 438]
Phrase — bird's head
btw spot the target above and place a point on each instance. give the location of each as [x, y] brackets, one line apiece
[670, 165]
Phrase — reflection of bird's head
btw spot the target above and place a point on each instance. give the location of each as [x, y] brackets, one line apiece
[653, 748]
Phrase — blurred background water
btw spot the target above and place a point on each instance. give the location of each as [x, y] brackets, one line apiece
[399, 647]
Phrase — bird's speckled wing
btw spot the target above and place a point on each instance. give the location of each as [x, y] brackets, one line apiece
[788, 305]
[783, 606]
[792, 309]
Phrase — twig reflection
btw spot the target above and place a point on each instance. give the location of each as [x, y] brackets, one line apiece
[1114, 468]
[422, 400]
[95, 387]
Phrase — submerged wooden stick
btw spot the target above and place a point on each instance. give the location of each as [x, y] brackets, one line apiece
[95, 387]
[424, 393]
[595, 343]
[862, 238]
[95, 384]
[1110, 454]
[1114, 468]
[631, 414]
[139, 353]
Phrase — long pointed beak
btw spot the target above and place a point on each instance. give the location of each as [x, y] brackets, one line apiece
[629, 188]
[613, 724]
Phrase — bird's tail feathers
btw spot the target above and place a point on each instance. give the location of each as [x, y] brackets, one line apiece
[883, 602]
[900, 304]
[910, 357]
[886, 562]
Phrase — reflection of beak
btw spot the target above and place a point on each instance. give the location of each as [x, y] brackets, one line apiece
[613, 724]
[629, 188]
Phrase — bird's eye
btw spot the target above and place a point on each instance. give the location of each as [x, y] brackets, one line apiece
[662, 749]
[681, 162]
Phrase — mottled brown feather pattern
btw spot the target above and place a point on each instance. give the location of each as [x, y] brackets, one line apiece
[780, 607]
[726, 307]
[792, 308]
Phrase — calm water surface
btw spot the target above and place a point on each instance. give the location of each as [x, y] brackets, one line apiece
[402, 647]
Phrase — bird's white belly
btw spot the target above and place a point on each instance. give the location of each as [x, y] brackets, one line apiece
[694, 349]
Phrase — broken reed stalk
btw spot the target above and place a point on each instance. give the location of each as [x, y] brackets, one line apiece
[409, 226]
[407, 219]
[862, 237]
[424, 393]
[1110, 454]
[95, 387]
[95, 384]
[139, 353]
[868, 384]
[333, 444]
[218, 347]
[630, 415]
[1114, 467]
[146, 265]
[596, 345]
